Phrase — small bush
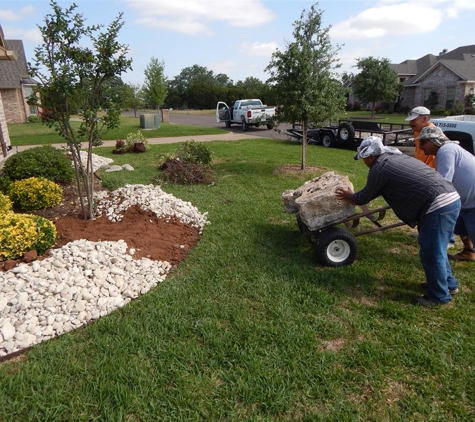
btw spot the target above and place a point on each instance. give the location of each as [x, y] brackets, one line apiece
[33, 118]
[135, 138]
[35, 193]
[5, 204]
[20, 233]
[193, 152]
[174, 170]
[190, 163]
[46, 161]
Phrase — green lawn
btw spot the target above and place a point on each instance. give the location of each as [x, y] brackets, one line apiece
[248, 328]
[38, 134]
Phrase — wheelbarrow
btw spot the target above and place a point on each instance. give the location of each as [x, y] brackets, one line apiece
[336, 246]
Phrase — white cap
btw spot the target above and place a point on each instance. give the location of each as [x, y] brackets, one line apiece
[416, 112]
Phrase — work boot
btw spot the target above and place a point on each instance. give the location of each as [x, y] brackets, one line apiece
[465, 255]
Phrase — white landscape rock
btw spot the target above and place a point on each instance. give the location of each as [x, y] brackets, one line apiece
[84, 280]
[316, 203]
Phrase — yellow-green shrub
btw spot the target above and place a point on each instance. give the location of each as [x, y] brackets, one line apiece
[35, 193]
[20, 233]
[5, 204]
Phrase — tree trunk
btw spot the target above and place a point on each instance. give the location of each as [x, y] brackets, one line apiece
[304, 144]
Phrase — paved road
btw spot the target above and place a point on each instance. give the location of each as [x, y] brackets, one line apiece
[210, 121]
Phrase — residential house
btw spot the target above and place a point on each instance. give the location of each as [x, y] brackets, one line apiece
[451, 75]
[15, 88]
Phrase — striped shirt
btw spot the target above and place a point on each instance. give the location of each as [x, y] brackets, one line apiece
[408, 186]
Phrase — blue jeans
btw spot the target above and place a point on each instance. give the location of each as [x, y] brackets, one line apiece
[435, 230]
[465, 225]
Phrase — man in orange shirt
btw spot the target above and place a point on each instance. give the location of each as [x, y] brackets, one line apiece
[419, 118]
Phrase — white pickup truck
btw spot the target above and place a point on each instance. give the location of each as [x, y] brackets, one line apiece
[247, 113]
[459, 128]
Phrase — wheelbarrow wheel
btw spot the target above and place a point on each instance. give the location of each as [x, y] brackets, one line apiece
[335, 247]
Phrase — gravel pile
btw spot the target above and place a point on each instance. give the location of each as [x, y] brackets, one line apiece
[149, 197]
[83, 280]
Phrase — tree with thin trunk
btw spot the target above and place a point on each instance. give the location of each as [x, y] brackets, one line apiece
[376, 82]
[155, 86]
[133, 97]
[303, 78]
[72, 80]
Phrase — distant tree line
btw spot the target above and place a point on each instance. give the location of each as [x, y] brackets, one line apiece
[196, 87]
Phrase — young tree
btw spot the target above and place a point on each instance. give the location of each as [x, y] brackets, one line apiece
[72, 77]
[133, 97]
[155, 86]
[376, 82]
[303, 77]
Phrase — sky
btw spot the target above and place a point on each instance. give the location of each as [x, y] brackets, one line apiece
[237, 38]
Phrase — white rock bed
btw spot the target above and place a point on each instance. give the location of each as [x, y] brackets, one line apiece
[84, 280]
[97, 161]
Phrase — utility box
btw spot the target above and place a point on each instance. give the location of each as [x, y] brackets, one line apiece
[150, 121]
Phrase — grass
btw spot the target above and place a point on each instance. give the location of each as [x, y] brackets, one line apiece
[38, 134]
[249, 328]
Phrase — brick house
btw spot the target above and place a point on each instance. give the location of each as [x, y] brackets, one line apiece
[15, 87]
[451, 75]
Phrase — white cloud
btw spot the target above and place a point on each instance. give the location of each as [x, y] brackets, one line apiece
[455, 8]
[14, 33]
[257, 49]
[194, 17]
[182, 26]
[389, 20]
[225, 66]
[10, 15]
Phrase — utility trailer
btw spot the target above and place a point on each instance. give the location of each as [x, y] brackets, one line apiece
[349, 132]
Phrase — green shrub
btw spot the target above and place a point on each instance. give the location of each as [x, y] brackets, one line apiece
[190, 163]
[35, 193]
[33, 118]
[48, 162]
[20, 233]
[194, 152]
[136, 138]
[5, 204]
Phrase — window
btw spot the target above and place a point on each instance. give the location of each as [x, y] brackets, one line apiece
[29, 93]
[427, 92]
[449, 102]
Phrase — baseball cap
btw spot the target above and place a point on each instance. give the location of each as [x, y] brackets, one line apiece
[435, 135]
[416, 112]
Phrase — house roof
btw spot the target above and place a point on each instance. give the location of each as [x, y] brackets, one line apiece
[12, 72]
[460, 61]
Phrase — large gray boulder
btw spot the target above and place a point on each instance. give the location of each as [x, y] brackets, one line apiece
[316, 203]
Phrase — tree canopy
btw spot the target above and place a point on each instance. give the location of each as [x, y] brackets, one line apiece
[155, 86]
[376, 81]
